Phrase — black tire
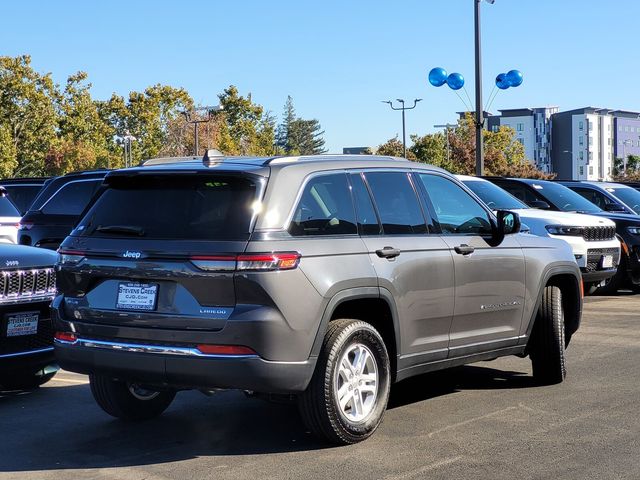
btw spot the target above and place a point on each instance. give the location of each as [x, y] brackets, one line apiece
[318, 405]
[116, 399]
[547, 343]
[27, 381]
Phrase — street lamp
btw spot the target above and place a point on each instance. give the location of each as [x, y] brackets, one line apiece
[446, 127]
[403, 108]
[624, 155]
[195, 117]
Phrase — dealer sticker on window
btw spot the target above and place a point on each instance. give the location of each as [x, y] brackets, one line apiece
[137, 296]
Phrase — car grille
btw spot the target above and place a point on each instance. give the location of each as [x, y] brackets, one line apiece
[23, 285]
[595, 254]
[594, 234]
[28, 343]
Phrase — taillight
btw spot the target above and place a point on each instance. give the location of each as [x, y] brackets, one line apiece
[66, 337]
[25, 225]
[225, 350]
[247, 262]
[269, 261]
[70, 257]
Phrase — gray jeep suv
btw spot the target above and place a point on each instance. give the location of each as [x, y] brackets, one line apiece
[326, 278]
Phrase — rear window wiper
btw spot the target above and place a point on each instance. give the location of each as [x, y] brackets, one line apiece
[122, 229]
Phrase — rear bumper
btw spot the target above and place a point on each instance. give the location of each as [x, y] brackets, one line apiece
[27, 362]
[154, 365]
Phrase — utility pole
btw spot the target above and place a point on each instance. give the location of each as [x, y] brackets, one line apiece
[446, 127]
[479, 109]
[403, 108]
[196, 117]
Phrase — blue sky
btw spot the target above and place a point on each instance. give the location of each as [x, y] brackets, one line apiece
[339, 59]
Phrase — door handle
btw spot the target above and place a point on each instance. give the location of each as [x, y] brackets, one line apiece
[388, 252]
[464, 249]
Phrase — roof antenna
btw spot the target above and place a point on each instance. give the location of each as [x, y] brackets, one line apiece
[212, 157]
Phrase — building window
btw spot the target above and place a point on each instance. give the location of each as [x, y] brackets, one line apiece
[521, 140]
[581, 155]
[580, 125]
[495, 128]
[626, 128]
[520, 127]
[590, 170]
[590, 126]
[619, 128]
[581, 169]
[608, 141]
[581, 140]
[590, 156]
[590, 140]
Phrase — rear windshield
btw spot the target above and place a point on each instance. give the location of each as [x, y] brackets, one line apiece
[564, 198]
[194, 207]
[493, 196]
[629, 196]
[22, 195]
[7, 209]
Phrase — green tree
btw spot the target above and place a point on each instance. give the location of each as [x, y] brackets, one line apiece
[393, 148]
[306, 137]
[28, 117]
[432, 149]
[283, 141]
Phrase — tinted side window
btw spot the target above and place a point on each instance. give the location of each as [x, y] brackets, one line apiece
[594, 197]
[325, 208]
[397, 203]
[7, 209]
[71, 199]
[521, 192]
[367, 218]
[457, 212]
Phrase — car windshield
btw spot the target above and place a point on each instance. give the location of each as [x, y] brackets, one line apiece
[494, 196]
[7, 209]
[564, 198]
[193, 207]
[629, 196]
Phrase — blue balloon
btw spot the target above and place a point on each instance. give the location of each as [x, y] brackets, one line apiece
[455, 81]
[514, 77]
[437, 77]
[501, 81]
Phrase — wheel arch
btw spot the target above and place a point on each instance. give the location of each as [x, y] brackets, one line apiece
[370, 304]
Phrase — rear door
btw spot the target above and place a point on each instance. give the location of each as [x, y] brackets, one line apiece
[413, 264]
[489, 281]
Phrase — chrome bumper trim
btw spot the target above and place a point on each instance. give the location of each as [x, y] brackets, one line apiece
[30, 352]
[141, 348]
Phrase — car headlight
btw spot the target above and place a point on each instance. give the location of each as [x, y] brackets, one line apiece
[634, 230]
[564, 230]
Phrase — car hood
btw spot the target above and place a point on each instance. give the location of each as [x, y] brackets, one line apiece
[564, 218]
[635, 219]
[20, 256]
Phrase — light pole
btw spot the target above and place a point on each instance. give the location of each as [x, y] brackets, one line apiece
[446, 127]
[195, 118]
[403, 108]
[127, 140]
[479, 109]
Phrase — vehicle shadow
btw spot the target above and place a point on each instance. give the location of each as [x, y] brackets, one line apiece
[60, 427]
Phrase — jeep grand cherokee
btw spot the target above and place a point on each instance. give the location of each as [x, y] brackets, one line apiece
[323, 277]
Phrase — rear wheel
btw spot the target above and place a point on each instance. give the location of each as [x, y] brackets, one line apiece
[547, 343]
[348, 394]
[128, 401]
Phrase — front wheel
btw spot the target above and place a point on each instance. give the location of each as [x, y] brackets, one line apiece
[348, 393]
[128, 401]
[547, 342]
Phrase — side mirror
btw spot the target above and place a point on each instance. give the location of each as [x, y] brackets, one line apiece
[540, 205]
[614, 207]
[508, 223]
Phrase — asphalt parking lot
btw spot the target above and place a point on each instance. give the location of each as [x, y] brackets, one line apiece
[487, 420]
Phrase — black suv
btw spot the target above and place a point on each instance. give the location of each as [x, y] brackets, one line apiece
[23, 191]
[554, 196]
[325, 278]
[57, 208]
[27, 285]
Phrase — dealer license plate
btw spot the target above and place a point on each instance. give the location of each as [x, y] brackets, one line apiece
[137, 296]
[23, 323]
[607, 261]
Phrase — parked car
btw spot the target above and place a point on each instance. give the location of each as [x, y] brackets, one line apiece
[27, 285]
[611, 197]
[22, 191]
[323, 277]
[554, 196]
[57, 208]
[9, 219]
[587, 235]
